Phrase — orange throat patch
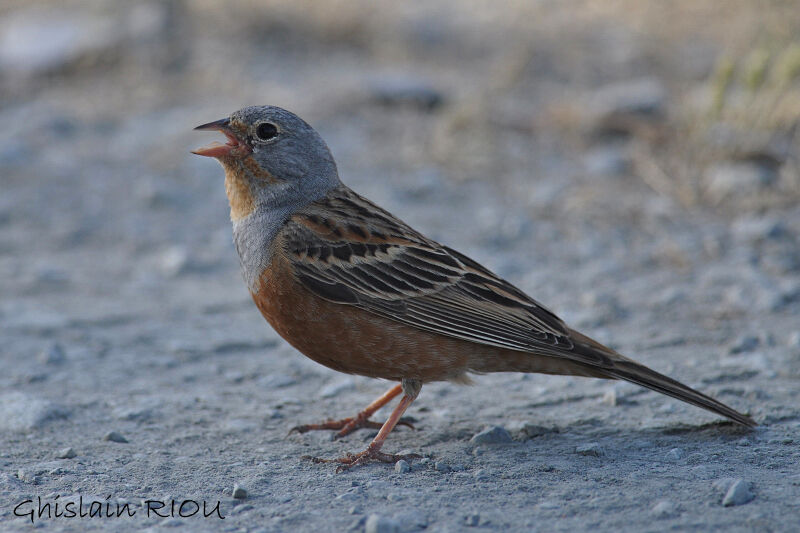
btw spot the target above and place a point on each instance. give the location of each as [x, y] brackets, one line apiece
[237, 188]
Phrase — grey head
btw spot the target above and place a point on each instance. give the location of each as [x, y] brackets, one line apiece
[282, 159]
[275, 163]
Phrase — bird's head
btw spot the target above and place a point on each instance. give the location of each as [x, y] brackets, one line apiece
[273, 158]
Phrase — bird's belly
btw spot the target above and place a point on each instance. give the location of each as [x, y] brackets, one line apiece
[351, 340]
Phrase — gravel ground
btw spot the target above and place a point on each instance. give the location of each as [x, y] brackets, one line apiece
[137, 368]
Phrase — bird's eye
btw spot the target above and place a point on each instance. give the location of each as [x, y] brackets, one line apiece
[266, 131]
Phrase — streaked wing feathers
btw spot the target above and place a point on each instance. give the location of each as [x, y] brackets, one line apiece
[347, 250]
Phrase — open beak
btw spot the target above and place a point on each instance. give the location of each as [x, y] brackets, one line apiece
[216, 149]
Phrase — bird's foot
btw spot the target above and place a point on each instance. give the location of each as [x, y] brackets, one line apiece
[347, 425]
[370, 455]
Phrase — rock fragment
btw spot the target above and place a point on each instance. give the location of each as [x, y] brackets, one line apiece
[739, 493]
[674, 454]
[115, 436]
[664, 509]
[381, 524]
[239, 492]
[66, 453]
[591, 449]
[492, 435]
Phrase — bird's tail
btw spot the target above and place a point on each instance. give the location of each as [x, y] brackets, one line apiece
[629, 370]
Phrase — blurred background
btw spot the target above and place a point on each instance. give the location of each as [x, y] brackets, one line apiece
[634, 165]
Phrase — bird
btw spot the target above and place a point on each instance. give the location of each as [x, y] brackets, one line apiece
[356, 289]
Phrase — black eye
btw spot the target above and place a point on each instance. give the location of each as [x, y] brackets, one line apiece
[266, 131]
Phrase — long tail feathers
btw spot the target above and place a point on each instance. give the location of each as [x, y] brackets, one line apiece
[641, 375]
[624, 368]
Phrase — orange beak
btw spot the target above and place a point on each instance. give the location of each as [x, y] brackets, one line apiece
[217, 149]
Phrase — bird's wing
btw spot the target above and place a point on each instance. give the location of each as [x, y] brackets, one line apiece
[347, 250]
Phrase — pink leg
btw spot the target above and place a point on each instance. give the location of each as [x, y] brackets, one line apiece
[411, 389]
[361, 420]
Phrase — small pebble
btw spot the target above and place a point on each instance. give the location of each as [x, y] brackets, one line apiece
[610, 397]
[381, 524]
[492, 435]
[66, 453]
[114, 436]
[664, 509]
[592, 449]
[239, 492]
[674, 454]
[739, 493]
[401, 467]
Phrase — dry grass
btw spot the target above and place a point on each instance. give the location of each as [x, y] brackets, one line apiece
[747, 111]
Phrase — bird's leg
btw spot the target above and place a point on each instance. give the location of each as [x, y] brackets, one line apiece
[411, 388]
[361, 420]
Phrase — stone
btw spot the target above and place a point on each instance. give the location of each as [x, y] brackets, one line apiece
[239, 492]
[591, 449]
[66, 453]
[664, 509]
[402, 466]
[491, 435]
[381, 524]
[739, 493]
[115, 436]
[674, 454]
